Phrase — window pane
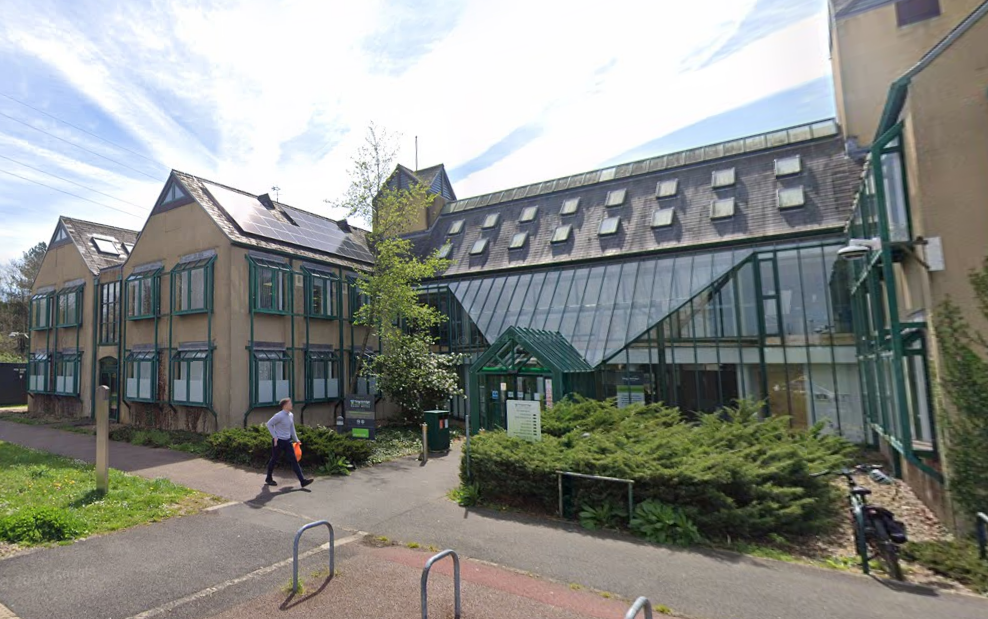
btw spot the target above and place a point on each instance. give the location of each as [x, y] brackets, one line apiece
[895, 197]
[198, 298]
[181, 299]
[265, 290]
[146, 297]
[197, 372]
[144, 388]
[318, 296]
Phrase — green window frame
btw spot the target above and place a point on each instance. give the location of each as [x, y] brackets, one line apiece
[67, 373]
[41, 311]
[192, 378]
[366, 385]
[141, 376]
[321, 294]
[272, 287]
[143, 295]
[69, 307]
[109, 313]
[192, 287]
[271, 376]
[39, 373]
[322, 376]
[355, 298]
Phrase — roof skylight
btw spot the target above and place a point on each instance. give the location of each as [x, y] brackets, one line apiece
[105, 246]
[667, 188]
[570, 206]
[723, 178]
[478, 247]
[561, 234]
[788, 166]
[722, 209]
[609, 226]
[491, 221]
[791, 197]
[518, 240]
[616, 197]
[445, 251]
[662, 218]
[528, 214]
[456, 227]
[128, 247]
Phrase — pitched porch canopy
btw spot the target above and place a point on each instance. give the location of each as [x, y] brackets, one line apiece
[596, 309]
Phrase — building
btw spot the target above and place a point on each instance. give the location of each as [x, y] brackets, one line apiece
[66, 321]
[224, 303]
[694, 278]
[912, 89]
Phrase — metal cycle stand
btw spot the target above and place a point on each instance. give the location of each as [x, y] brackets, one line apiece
[640, 603]
[332, 550]
[456, 581]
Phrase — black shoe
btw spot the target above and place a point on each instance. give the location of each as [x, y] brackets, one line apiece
[270, 482]
[306, 482]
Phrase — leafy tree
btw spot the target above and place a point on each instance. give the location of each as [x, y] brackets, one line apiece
[393, 310]
[963, 353]
[16, 279]
[413, 377]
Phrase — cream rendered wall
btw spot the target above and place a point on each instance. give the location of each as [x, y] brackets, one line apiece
[64, 264]
[167, 237]
[871, 51]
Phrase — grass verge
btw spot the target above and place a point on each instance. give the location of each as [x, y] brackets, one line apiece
[46, 498]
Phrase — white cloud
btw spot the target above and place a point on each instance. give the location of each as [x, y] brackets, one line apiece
[218, 89]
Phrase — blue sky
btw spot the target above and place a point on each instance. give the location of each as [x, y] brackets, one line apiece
[258, 93]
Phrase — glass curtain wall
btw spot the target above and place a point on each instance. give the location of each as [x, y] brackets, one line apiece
[775, 329]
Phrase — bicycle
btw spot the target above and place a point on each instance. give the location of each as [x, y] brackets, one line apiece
[874, 526]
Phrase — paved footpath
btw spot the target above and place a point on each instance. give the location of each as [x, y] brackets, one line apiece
[232, 560]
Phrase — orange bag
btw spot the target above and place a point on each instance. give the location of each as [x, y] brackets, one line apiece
[298, 451]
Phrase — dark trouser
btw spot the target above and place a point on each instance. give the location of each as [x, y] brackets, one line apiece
[284, 447]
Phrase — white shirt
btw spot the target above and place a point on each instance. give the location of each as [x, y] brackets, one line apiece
[282, 426]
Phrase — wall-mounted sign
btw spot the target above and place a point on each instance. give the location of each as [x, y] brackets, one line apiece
[359, 416]
[524, 420]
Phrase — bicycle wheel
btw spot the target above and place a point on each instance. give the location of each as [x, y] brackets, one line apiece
[887, 550]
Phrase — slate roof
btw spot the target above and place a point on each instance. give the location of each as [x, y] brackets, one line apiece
[434, 178]
[82, 233]
[196, 187]
[828, 178]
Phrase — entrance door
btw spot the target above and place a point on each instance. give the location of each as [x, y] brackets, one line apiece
[108, 376]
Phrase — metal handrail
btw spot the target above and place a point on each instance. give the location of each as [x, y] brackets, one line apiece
[981, 519]
[630, 482]
[332, 550]
[640, 603]
[456, 581]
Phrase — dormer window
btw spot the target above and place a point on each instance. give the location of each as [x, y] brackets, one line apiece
[518, 240]
[491, 221]
[570, 206]
[478, 247]
[528, 214]
[722, 178]
[616, 197]
[722, 209]
[561, 234]
[788, 166]
[667, 188]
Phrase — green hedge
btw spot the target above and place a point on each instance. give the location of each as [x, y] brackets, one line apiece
[730, 473]
[252, 446]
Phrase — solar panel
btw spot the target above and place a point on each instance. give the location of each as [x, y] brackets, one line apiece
[308, 231]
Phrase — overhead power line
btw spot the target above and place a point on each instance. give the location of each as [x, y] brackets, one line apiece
[74, 183]
[69, 193]
[86, 131]
[80, 147]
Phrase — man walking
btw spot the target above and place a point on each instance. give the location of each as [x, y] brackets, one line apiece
[282, 429]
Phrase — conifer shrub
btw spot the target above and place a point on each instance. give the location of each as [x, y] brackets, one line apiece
[730, 473]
